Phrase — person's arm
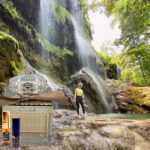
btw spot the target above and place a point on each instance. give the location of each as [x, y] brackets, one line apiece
[75, 96]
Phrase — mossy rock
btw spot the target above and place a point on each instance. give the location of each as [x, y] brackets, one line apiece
[138, 98]
[60, 13]
[41, 53]
[3, 27]
[11, 60]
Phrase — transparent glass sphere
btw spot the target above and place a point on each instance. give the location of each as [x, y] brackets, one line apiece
[28, 84]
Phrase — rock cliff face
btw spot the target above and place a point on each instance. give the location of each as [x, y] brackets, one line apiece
[63, 35]
[28, 9]
[19, 19]
[94, 100]
[129, 99]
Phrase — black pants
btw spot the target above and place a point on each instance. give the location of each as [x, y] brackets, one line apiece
[79, 101]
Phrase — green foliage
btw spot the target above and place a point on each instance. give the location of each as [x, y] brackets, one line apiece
[87, 25]
[3, 27]
[133, 16]
[4, 36]
[94, 5]
[137, 62]
[55, 50]
[16, 68]
[138, 98]
[127, 75]
[60, 13]
[11, 62]
[32, 44]
[11, 16]
[110, 65]
[9, 6]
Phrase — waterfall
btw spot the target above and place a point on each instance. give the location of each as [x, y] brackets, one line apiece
[101, 88]
[45, 17]
[30, 70]
[51, 84]
[45, 27]
[86, 53]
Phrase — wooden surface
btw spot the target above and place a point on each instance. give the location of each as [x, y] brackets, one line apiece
[50, 96]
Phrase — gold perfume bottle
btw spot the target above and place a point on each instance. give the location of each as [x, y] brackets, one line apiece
[6, 127]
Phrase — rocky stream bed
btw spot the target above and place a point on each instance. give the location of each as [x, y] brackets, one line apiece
[95, 132]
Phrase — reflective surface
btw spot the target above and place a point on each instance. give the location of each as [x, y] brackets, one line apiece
[28, 84]
[125, 116]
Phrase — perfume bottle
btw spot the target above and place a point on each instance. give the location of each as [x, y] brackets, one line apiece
[6, 128]
[16, 132]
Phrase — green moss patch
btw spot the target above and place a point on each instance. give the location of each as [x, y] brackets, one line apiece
[60, 13]
[55, 50]
[138, 98]
[39, 52]
[11, 62]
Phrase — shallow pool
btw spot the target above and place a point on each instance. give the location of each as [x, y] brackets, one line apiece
[126, 116]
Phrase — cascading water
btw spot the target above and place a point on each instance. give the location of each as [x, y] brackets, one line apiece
[87, 54]
[29, 69]
[45, 27]
[51, 84]
[44, 18]
[101, 88]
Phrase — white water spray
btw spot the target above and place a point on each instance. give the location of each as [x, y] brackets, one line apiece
[100, 87]
[51, 84]
[85, 50]
[45, 22]
[87, 54]
[45, 17]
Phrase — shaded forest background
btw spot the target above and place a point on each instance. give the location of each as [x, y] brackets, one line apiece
[134, 19]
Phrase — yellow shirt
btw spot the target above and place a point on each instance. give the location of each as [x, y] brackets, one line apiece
[79, 92]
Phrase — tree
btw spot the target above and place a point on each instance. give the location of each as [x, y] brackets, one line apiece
[133, 16]
[110, 64]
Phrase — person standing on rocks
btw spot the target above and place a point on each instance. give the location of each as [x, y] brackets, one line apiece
[79, 99]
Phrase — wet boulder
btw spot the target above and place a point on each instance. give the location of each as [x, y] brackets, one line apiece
[97, 96]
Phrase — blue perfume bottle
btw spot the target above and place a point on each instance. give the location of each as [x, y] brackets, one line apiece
[16, 132]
